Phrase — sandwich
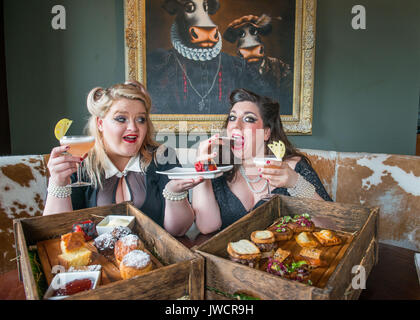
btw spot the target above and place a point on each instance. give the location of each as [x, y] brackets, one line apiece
[281, 231]
[244, 252]
[327, 238]
[281, 255]
[312, 256]
[301, 223]
[265, 240]
[296, 271]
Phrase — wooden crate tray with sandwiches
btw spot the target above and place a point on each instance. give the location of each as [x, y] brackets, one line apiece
[136, 261]
[292, 248]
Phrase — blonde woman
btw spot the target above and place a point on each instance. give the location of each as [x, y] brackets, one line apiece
[123, 163]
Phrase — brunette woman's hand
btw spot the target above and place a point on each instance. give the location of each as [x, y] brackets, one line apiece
[181, 185]
[204, 151]
[62, 166]
[279, 175]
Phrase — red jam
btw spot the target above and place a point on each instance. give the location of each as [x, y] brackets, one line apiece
[74, 287]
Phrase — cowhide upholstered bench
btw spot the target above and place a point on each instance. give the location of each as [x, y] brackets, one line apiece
[390, 182]
[23, 189]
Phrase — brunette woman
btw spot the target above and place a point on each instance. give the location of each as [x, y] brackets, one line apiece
[253, 122]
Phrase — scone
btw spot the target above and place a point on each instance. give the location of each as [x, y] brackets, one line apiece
[327, 238]
[135, 263]
[73, 251]
[125, 245]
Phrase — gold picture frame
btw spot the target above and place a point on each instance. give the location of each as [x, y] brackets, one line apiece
[299, 122]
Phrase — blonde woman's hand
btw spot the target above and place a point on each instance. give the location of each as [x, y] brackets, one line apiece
[62, 166]
[280, 175]
[181, 185]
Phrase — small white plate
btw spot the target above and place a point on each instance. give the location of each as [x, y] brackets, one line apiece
[103, 227]
[190, 173]
[62, 278]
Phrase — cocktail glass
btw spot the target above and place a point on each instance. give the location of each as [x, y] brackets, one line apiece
[266, 162]
[79, 146]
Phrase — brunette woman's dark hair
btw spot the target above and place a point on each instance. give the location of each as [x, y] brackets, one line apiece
[270, 113]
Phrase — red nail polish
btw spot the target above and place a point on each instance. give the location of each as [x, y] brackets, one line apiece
[268, 161]
[260, 175]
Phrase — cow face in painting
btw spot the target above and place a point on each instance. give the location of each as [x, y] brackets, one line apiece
[195, 26]
[247, 32]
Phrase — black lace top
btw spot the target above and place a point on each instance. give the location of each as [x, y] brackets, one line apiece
[232, 209]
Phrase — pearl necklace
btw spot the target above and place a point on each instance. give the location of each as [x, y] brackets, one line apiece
[249, 181]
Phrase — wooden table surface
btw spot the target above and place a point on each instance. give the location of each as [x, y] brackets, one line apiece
[393, 278]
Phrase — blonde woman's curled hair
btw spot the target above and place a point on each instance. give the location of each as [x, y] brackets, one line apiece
[99, 101]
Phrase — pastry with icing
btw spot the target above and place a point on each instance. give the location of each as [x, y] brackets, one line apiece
[135, 263]
[105, 243]
[306, 240]
[327, 238]
[125, 245]
[120, 231]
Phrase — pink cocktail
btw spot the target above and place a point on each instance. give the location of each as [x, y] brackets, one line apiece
[79, 146]
[266, 162]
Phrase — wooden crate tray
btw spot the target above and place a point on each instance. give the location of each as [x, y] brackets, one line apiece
[49, 250]
[356, 225]
[178, 271]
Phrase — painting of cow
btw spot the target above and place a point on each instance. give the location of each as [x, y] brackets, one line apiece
[247, 32]
[194, 76]
[191, 68]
